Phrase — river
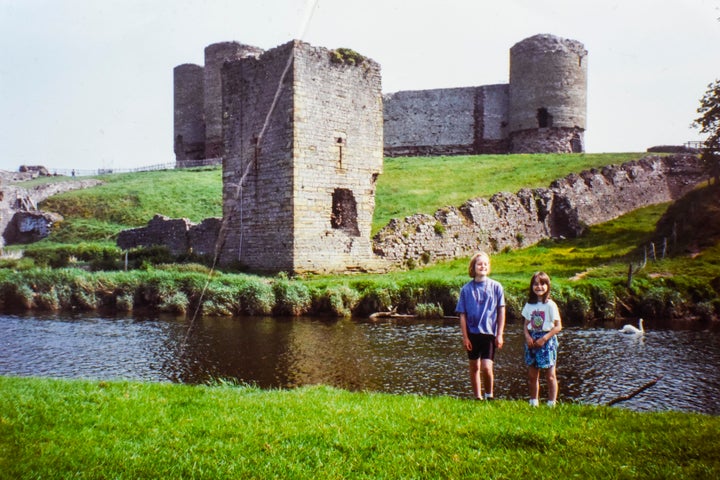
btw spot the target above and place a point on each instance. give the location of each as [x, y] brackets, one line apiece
[595, 365]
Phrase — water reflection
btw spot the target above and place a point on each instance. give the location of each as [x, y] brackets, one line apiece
[595, 365]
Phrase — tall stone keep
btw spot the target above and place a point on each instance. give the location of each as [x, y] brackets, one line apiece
[548, 95]
[215, 57]
[189, 122]
[303, 149]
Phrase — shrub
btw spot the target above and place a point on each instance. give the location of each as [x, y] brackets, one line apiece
[176, 303]
[376, 297]
[603, 302]
[291, 297]
[429, 310]
[661, 302]
[221, 300]
[338, 301]
[124, 302]
[256, 297]
[573, 304]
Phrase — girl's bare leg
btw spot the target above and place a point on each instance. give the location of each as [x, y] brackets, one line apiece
[552, 384]
[534, 382]
[475, 378]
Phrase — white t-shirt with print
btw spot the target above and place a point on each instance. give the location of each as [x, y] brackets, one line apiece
[542, 316]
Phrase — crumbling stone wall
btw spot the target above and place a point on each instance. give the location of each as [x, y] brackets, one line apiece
[564, 209]
[179, 235]
[20, 219]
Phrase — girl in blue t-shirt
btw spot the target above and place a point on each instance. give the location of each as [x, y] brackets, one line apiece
[542, 324]
[481, 308]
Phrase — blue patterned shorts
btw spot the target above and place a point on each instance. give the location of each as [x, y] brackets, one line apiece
[543, 357]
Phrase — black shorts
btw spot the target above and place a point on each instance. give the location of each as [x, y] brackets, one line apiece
[483, 346]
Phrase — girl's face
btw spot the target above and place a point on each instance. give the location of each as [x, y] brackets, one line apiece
[539, 288]
[482, 266]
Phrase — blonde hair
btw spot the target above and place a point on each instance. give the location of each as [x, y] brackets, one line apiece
[473, 261]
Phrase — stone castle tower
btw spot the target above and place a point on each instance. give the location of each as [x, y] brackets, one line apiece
[302, 131]
[547, 95]
[198, 103]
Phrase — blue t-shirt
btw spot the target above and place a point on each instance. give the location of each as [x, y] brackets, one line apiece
[479, 301]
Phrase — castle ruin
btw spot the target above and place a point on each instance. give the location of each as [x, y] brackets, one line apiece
[299, 131]
[541, 110]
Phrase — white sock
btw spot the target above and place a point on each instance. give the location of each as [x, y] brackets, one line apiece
[534, 402]
[488, 395]
[551, 403]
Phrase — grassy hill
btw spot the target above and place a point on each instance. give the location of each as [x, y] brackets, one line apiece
[407, 186]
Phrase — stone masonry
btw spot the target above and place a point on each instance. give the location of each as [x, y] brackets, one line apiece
[299, 182]
[518, 220]
[541, 110]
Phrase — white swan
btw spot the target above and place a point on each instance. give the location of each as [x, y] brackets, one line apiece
[629, 329]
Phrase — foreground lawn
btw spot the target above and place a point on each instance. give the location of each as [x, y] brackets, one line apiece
[89, 429]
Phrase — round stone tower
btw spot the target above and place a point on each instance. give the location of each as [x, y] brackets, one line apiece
[547, 95]
[215, 56]
[188, 119]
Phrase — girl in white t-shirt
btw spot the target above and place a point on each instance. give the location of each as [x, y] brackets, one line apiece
[542, 324]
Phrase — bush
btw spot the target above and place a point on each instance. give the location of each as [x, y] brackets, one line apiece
[603, 300]
[256, 296]
[175, 303]
[573, 304]
[429, 310]
[338, 301]
[661, 302]
[376, 297]
[291, 297]
[221, 300]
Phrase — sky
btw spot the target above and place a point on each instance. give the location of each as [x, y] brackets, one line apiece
[88, 84]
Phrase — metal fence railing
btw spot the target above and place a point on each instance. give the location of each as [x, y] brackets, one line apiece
[77, 172]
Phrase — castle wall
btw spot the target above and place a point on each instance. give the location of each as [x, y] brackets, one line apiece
[338, 144]
[189, 126]
[430, 122]
[491, 119]
[258, 198]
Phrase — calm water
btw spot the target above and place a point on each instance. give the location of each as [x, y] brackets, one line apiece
[595, 365]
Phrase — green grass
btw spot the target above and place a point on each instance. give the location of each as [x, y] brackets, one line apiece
[87, 429]
[132, 199]
[407, 186]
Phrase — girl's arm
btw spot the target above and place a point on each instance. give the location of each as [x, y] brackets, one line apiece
[528, 337]
[499, 340]
[463, 327]
[557, 327]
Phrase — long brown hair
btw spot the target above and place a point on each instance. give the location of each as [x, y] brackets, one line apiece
[544, 279]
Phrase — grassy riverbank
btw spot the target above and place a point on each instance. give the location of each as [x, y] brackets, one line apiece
[87, 429]
[590, 274]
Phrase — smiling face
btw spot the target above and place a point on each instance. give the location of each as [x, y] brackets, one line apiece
[539, 288]
[482, 266]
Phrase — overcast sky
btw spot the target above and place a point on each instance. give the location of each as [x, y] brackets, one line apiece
[88, 84]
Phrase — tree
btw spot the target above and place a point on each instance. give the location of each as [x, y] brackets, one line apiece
[709, 122]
